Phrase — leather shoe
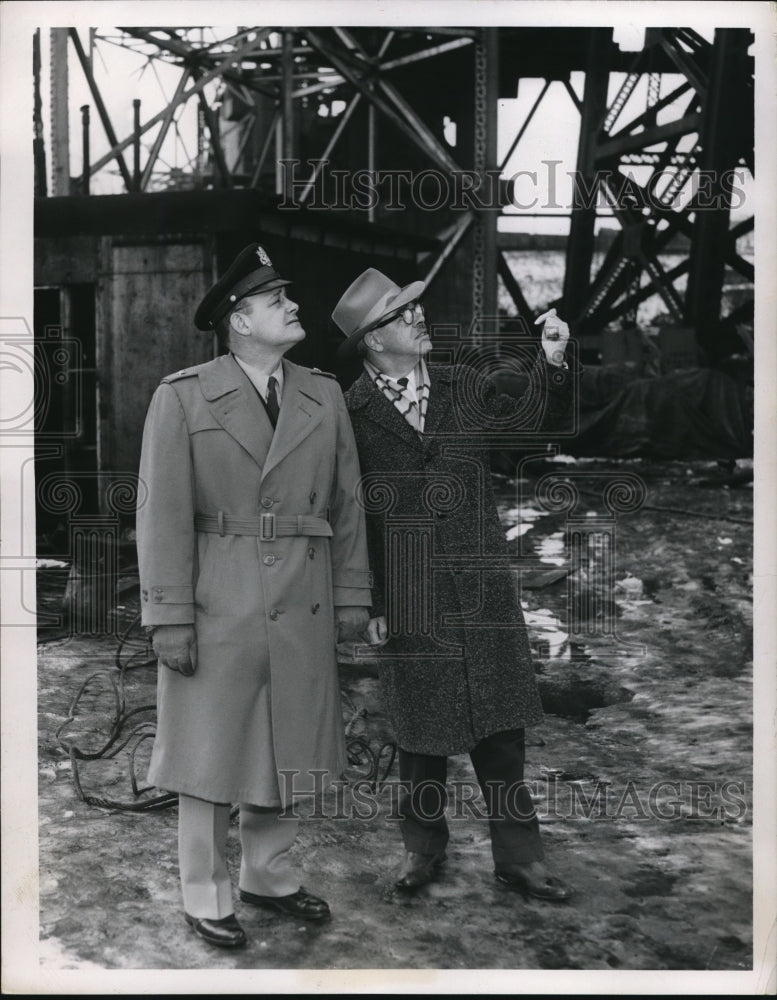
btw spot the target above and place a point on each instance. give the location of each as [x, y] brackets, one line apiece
[226, 932]
[533, 882]
[418, 869]
[298, 904]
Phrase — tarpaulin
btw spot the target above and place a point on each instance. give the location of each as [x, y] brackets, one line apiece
[702, 413]
[694, 414]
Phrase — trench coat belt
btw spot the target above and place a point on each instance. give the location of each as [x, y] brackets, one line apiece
[266, 527]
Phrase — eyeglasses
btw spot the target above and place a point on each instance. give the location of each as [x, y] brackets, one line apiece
[408, 314]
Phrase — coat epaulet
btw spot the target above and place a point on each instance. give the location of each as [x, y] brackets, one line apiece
[183, 373]
[317, 371]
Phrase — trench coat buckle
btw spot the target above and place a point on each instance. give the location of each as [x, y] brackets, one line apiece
[267, 527]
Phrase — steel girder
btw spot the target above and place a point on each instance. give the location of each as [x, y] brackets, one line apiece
[282, 67]
[688, 192]
[255, 86]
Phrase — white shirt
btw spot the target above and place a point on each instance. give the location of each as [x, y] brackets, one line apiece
[259, 378]
[410, 391]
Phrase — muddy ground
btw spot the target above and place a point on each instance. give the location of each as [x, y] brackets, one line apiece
[641, 773]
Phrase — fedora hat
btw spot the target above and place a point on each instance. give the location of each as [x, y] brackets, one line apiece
[366, 302]
[250, 272]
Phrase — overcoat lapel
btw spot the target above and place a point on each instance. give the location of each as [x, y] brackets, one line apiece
[301, 411]
[235, 404]
[373, 404]
[440, 399]
[368, 399]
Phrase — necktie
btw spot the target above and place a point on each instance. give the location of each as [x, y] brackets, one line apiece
[412, 414]
[272, 400]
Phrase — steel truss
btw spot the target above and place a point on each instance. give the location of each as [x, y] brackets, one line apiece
[690, 159]
[259, 91]
[268, 80]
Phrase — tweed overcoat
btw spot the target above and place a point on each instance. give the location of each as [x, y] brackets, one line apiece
[457, 665]
[265, 694]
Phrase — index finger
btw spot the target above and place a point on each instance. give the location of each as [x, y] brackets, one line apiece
[545, 315]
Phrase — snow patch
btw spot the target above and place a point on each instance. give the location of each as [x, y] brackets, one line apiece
[517, 531]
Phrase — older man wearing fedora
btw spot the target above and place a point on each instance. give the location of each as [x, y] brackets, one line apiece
[456, 671]
[251, 548]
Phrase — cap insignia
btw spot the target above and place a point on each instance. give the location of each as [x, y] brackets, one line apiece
[261, 253]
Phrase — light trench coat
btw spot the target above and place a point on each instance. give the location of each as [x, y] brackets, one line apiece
[265, 696]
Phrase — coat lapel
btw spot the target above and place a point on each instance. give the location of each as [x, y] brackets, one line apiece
[302, 409]
[440, 399]
[235, 404]
[367, 397]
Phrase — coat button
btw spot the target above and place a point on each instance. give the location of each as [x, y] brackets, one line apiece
[267, 502]
[311, 553]
[275, 614]
[315, 608]
[313, 496]
[268, 560]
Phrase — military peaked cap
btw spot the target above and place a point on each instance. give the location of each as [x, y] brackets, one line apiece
[250, 272]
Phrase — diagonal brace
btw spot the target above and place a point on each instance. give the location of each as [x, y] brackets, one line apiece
[102, 110]
[370, 92]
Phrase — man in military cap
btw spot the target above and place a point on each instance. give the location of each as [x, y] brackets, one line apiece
[252, 556]
[456, 671]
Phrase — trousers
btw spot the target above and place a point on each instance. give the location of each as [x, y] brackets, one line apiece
[266, 838]
[498, 761]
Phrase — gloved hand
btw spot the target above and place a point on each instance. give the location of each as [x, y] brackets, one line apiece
[176, 647]
[377, 631]
[351, 623]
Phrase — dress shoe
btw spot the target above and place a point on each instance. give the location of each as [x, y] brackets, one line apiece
[534, 881]
[226, 932]
[298, 904]
[418, 869]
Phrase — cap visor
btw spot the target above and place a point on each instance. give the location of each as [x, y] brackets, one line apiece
[269, 287]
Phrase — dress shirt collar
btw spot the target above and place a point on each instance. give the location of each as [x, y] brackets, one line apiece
[412, 384]
[259, 378]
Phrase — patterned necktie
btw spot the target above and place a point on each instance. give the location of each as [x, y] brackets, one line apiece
[272, 400]
[412, 414]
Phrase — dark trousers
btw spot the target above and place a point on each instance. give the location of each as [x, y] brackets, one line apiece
[498, 762]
